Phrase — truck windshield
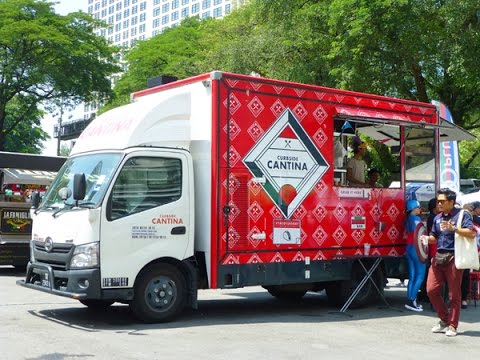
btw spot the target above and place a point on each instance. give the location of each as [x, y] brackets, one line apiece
[98, 170]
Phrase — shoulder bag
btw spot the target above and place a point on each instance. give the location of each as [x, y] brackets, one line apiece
[466, 251]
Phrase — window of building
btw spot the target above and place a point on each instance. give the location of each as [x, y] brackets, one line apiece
[143, 5]
[165, 19]
[143, 16]
[110, 30]
[118, 27]
[134, 20]
[126, 13]
[217, 2]
[165, 8]
[104, 13]
[90, 9]
[184, 12]
[174, 15]
[156, 11]
[228, 9]
[118, 6]
[117, 38]
[104, 3]
[126, 3]
[97, 6]
[206, 5]
[126, 24]
[195, 8]
[156, 2]
[118, 17]
[156, 23]
[185, 2]
[217, 12]
[206, 14]
[141, 29]
[134, 9]
[111, 10]
[175, 4]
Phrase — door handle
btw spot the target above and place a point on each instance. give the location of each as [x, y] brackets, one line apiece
[179, 230]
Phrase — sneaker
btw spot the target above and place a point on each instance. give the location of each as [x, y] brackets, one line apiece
[441, 327]
[411, 305]
[417, 304]
[451, 331]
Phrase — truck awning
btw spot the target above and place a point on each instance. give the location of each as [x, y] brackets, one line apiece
[22, 176]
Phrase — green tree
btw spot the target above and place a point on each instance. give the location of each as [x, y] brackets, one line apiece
[45, 56]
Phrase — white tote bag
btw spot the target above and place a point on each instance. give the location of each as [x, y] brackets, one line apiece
[466, 251]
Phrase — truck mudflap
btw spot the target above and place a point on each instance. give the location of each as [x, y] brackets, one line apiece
[75, 284]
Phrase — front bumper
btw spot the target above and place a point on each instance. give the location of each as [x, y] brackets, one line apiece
[75, 284]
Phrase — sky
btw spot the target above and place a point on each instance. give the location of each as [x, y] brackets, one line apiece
[63, 8]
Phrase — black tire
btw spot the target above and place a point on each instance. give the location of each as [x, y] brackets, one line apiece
[97, 304]
[160, 294]
[284, 293]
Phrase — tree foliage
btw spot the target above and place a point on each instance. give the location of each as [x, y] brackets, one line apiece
[45, 56]
[414, 49]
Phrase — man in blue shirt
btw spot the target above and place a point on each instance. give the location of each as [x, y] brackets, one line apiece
[443, 234]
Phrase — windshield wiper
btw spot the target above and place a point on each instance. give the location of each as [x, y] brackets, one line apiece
[85, 205]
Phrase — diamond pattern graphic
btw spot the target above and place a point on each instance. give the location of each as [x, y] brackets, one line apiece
[320, 95]
[256, 85]
[233, 156]
[299, 92]
[358, 235]
[255, 131]
[298, 257]
[319, 236]
[300, 112]
[234, 211]
[393, 212]
[255, 259]
[320, 137]
[276, 214]
[233, 104]
[320, 114]
[233, 184]
[233, 237]
[339, 235]
[255, 211]
[300, 212]
[254, 187]
[376, 212]
[277, 108]
[393, 233]
[255, 106]
[320, 212]
[278, 89]
[375, 235]
[358, 210]
[234, 129]
[252, 241]
[277, 258]
[320, 188]
[231, 259]
[339, 212]
[320, 256]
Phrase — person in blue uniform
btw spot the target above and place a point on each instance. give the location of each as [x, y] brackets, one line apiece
[416, 269]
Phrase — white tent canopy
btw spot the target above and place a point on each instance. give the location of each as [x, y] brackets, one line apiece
[21, 176]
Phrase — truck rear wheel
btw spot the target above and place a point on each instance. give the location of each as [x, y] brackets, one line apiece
[160, 294]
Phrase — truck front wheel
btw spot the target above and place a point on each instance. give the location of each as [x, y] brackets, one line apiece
[160, 294]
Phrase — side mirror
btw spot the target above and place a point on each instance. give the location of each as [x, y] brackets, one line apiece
[64, 193]
[79, 186]
[35, 200]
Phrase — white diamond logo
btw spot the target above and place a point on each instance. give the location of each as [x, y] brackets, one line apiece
[290, 162]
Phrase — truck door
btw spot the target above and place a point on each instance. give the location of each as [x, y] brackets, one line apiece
[147, 215]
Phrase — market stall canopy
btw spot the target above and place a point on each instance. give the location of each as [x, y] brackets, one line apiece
[30, 161]
[22, 176]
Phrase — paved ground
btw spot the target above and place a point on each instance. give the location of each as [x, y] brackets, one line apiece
[230, 324]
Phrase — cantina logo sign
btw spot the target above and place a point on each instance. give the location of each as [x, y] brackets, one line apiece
[289, 161]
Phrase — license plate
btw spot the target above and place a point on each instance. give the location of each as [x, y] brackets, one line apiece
[45, 280]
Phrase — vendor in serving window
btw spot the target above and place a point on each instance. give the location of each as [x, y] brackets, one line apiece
[356, 166]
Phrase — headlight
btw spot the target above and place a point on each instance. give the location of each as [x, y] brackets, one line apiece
[85, 256]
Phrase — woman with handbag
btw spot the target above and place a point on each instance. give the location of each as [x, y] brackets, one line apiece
[443, 269]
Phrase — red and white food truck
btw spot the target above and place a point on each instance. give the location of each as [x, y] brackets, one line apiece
[226, 181]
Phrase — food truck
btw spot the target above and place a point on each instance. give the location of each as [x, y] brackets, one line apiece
[20, 176]
[225, 181]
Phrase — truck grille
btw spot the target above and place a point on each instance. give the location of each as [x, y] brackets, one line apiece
[58, 258]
